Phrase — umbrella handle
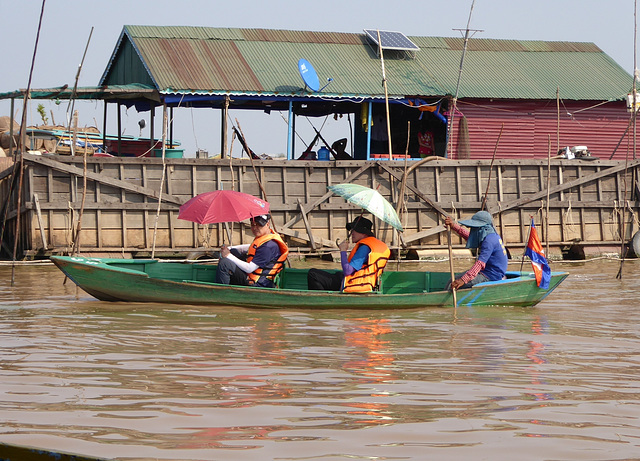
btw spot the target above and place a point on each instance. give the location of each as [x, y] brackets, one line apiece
[338, 242]
[348, 237]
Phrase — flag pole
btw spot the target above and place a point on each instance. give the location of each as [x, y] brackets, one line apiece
[525, 245]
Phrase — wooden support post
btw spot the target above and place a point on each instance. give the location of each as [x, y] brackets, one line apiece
[152, 131]
[39, 214]
[104, 128]
[145, 213]
[11, 122]
[303, 213]
[224, 128]
[123, 213]
[119, 130]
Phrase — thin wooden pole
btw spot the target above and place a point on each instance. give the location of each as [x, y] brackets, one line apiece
[76, 238]
[486, 192]
[43, 236]
[558, 118]
[104, 128]
[526, 244]
[171, 127]
[225, 224]
[12, 147]
[18, 210]
[403, 185]
[70, 113]
[120, 129]
[225, 128]
[634, 116]
[454, 102]
[386, 97]
[23, 137]
[233, 179]
[164, 168]
[621, 138]
[453, 275]
[546, 218]
[243, 141]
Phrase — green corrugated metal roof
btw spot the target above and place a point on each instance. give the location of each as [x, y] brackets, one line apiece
[261, 61]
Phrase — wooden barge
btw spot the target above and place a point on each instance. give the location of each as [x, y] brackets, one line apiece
[129, 206]
[125, 211]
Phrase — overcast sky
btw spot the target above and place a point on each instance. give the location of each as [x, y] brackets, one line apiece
[67, 24]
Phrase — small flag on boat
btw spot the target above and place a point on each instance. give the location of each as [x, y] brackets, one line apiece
[535, 252]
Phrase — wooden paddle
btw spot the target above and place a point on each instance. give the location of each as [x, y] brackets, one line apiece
[453, 276]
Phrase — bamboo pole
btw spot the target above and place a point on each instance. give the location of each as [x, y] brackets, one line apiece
[455, 97]
[453, 275]
[23, 137]
[558, 119]
[621, 138]
[401, 207]
[403, 184]
[546, 218]
[243, 141]
[386, 97]
[526, 243]
[486, 192]
[233, 179]
[634, 117]
[164, 168]
[70, 112]
[76, 238]
[224, 127]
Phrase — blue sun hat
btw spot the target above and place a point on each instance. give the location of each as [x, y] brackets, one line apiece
[480, 219]
[481, 225]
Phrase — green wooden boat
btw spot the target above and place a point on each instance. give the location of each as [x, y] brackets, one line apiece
[149, 280]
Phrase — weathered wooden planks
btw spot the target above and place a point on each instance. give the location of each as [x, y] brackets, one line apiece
[586, 200]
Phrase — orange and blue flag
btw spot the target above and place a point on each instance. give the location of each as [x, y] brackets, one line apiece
[535, 252]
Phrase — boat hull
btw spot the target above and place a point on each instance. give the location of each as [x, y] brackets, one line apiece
[184, 283]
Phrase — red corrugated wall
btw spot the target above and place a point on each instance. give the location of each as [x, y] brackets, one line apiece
[528, 126]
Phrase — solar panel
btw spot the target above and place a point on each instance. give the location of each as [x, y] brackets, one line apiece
[391, 40]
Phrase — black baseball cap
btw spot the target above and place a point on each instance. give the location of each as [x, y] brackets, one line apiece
[261, 220]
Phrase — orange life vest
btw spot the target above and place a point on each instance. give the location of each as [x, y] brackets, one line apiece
[271, 269]
[366, 279]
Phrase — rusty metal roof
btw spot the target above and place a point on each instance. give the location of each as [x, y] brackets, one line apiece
[204, 60]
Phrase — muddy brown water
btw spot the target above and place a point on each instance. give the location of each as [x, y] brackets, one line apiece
[170, 382]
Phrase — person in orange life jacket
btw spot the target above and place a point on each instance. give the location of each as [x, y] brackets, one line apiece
[492, 260]
[256, 264]
[360, 269]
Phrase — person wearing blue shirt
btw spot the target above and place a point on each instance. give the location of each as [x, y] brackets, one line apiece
[255, 264]
[360, 269]
[492, 259]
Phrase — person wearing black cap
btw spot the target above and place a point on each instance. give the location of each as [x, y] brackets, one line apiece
[361, 269]
[256, 264]
[492, 259]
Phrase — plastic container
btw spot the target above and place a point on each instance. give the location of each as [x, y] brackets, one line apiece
[323, 153]
[169, 153]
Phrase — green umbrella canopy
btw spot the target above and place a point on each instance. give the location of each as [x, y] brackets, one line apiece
[370, 200]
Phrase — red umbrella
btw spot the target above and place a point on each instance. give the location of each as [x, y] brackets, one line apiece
[222, 206]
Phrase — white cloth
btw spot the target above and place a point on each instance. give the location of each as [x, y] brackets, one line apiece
[241, 248]
[245, 266]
